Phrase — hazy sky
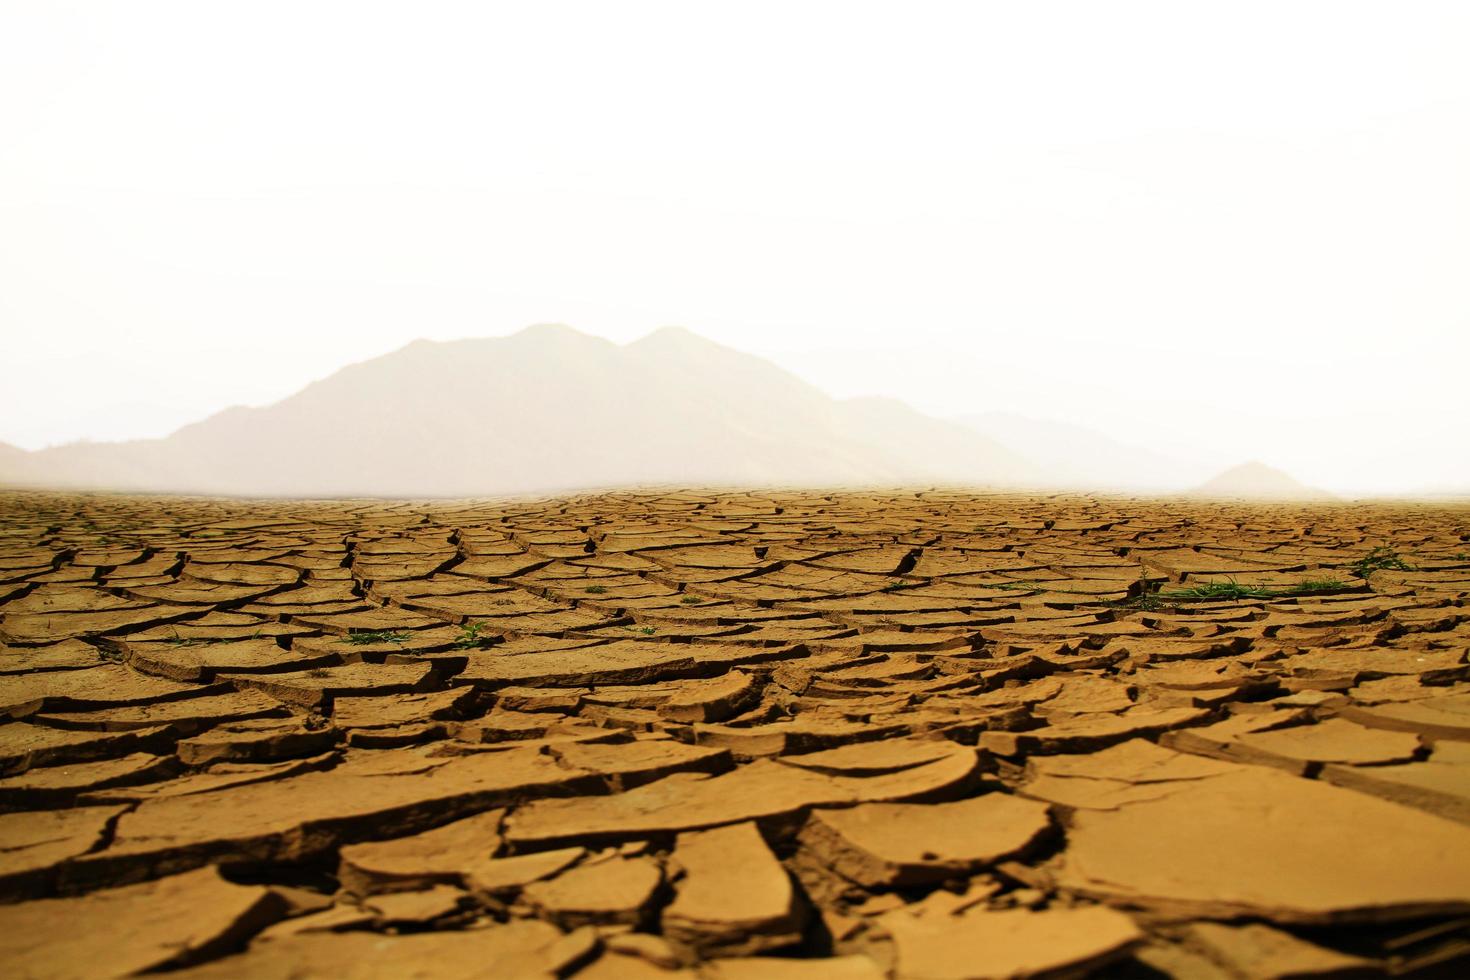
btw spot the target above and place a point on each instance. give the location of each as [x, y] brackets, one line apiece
[1226, 231]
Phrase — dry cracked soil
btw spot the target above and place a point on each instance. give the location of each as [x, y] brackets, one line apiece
[733, 735]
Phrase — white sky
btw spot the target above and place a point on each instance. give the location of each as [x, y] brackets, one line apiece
[1226, 231]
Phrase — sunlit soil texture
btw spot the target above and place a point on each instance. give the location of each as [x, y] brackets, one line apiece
[732, 735]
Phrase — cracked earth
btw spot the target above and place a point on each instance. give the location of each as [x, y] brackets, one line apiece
[735, 735]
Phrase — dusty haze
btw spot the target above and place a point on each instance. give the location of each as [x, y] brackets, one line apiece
[1208, 235]
[551, 408]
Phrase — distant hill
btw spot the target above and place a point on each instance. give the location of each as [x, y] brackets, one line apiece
[1257, 481]
[545, 409]
[1077, 456]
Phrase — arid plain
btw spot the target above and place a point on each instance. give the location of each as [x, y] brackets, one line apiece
[733, 735]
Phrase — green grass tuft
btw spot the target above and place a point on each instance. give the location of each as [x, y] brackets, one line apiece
[597, 589]
[1378, 559]
[1221, 590]
[1153, 601]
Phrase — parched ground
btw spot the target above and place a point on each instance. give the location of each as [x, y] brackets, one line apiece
[733, 735]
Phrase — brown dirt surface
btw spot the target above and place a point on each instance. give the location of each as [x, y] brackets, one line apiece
[699, 734]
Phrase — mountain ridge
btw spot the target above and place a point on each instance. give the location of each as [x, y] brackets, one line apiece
[1255, 480]
[548, 408]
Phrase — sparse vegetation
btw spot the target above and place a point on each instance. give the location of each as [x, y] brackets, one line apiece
[597, 589]
[1222, 590]
[691, 600]
[644, 630]
[1378, 559]
[365, 637]
[1143, 602]
[318, 672]
[471, 638]
[1148, 600]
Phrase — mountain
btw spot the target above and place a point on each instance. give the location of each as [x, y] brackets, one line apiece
[545, 409]
[1077, 456]
[1257, 481]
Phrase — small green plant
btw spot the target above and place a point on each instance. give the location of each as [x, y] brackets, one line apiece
[1153, 601]
[690, 600]
[597, 589]
[645, 630]
[1222, 590]
[469, 637]
[1378, 559]
[1460, 556]
[1143, 602]
[318, 672]
[360, 638]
